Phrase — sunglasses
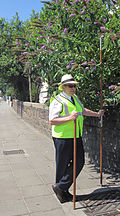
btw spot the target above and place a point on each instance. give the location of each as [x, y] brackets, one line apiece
[71, 86]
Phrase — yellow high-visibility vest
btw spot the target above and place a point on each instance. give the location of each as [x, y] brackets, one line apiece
[66, 130]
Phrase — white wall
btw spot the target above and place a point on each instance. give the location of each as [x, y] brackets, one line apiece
[43, 93]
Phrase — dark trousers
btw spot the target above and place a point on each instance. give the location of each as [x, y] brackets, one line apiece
[64, 160]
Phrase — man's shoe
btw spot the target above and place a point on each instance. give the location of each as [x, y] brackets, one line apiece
[61, 195]
[69, 196]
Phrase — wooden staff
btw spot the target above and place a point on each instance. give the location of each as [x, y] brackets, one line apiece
[74, 167]
[101, 106]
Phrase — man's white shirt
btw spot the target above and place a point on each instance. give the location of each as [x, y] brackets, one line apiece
[55, 107]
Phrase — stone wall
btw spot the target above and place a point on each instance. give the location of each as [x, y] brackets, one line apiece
[37, 115]
[111, 141]
[34, 113]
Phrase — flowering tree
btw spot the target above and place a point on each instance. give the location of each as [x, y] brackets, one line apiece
[65, 39]
[11, 73]
[16, 55]
[69, 42]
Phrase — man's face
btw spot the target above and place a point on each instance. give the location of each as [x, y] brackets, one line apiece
[69, 89]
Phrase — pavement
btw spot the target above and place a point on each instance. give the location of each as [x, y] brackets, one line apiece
[27, 171]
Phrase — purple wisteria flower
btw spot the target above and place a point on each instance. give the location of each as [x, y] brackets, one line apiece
[86, 68]
[117, 33]
[97, 23]
[18, 43]
[44, 46]
[68, 66]
[57, 1]
[39, 64]
[65, 30]
[25, 53]
[64, 2]
[93, 61]
[48, 41]
[82, 12]
[84, 64]
[104, 20]
[71, 15]
[113, 92]
[112, 86]
[88, 18]
[72, 61]
[38, 50]
[102, 28]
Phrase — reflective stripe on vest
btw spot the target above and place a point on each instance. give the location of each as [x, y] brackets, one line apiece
[78, 101]
[65, 105]
[80, 113]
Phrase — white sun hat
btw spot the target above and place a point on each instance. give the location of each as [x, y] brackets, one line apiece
[67, 79]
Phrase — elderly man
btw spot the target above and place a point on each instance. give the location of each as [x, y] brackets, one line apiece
[63, 110]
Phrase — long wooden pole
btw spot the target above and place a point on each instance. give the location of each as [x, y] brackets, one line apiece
[101, 106]
[74, 167]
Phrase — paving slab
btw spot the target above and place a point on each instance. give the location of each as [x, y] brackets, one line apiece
[26, 178]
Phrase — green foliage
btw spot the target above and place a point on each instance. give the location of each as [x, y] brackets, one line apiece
[10, 92]
[113, 97]
[34, 92]
[65, 38]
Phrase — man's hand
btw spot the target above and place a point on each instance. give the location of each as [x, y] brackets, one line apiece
[100, 113]
[73, 115]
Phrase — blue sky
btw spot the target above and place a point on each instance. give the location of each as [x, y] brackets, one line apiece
[8, 8]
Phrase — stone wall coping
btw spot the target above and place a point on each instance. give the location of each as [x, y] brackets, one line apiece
[35, 105]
